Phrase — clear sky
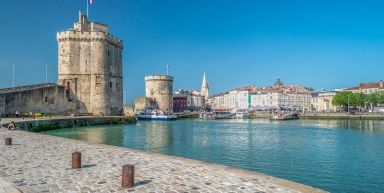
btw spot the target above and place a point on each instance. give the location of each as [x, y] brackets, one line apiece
[318, 43]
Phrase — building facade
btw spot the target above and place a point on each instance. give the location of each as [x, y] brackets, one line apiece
[322, 102]
[188, 100]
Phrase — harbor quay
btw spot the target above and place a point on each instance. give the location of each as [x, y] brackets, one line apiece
[42, 163]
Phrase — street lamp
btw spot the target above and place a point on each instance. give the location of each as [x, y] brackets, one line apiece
[348, 102]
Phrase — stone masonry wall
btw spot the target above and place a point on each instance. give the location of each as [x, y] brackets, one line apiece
[160, 89]
[50, 99]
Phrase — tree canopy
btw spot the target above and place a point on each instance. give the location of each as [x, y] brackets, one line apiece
[346, 98]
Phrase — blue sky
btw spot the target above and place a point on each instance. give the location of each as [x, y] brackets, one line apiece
[319, 43]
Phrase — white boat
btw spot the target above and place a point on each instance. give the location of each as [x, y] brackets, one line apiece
[241, 113]
[155, 115]
[217, 115]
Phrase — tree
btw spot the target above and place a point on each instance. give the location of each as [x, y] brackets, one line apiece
[341, 98]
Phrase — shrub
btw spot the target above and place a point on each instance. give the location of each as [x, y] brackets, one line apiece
[38, 115]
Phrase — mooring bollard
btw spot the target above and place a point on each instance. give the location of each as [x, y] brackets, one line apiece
[128, 176]
[8, 141]
[76, 160]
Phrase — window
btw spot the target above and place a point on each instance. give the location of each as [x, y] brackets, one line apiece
[46, 99]
[110, 84]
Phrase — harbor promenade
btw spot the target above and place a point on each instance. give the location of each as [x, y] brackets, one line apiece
[42, 163]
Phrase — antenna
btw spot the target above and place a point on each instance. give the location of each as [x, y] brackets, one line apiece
[167, 69]
[46, 74]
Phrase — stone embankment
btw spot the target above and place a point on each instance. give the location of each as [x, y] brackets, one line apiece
[42, 163]
[343, 116]
[41, 124]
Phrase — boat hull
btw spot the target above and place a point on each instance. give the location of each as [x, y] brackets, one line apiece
[156, 118]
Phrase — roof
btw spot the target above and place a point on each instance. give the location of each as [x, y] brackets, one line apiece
[367, 85]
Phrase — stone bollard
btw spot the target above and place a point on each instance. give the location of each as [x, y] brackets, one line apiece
[76, 160]
[128, 176]
[8, 141]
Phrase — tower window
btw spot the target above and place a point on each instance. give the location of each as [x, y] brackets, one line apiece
[108, 53]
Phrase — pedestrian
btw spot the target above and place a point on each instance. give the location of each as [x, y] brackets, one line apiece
[30, 114]
[17, 113]
[11, 125]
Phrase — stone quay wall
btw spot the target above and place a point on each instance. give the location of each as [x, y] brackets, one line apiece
[44, 98]
[42, 163]
[159, 88]
[68, 122]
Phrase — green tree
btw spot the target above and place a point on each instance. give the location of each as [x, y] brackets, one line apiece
[341, 98]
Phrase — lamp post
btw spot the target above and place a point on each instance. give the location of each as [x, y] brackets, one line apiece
[348, 102]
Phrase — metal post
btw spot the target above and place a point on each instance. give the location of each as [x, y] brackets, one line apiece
[76, 160]
[8, 141]
[46, 74]
[348, 103]
[13, 77]
[128, 176]
[87, 8]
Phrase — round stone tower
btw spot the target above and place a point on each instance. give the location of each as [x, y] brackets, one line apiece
[90, 67]
[159, 88]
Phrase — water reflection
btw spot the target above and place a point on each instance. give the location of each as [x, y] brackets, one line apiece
[361, 125]
[158, 136]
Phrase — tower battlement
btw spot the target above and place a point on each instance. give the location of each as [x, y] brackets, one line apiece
[159, 78]
[88, 36]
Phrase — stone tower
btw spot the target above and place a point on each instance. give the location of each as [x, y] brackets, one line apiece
[205, 88]
[90, 67]
[159, 88]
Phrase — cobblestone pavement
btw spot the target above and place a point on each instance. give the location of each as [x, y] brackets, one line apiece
[42, 163]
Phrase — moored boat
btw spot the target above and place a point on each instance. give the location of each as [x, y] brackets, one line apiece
[285, 116]
[155, 115]
[217, 115]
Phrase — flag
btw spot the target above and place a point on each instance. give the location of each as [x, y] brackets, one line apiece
[90, 1]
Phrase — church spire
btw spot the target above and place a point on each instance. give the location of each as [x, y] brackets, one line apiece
[205, 88]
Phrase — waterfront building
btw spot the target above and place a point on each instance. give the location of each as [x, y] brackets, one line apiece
[322, 101]
[367, 88]
[279, 96]
[180, 103]
[272, 99]
[159, 91]
[238, 98]
[188, 100]
[89, 76]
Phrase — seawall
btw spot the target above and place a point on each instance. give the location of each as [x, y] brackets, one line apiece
[67, 122]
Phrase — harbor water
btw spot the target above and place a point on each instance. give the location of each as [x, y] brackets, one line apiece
[334, 155]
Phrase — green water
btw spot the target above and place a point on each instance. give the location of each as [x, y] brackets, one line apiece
[337, 155]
